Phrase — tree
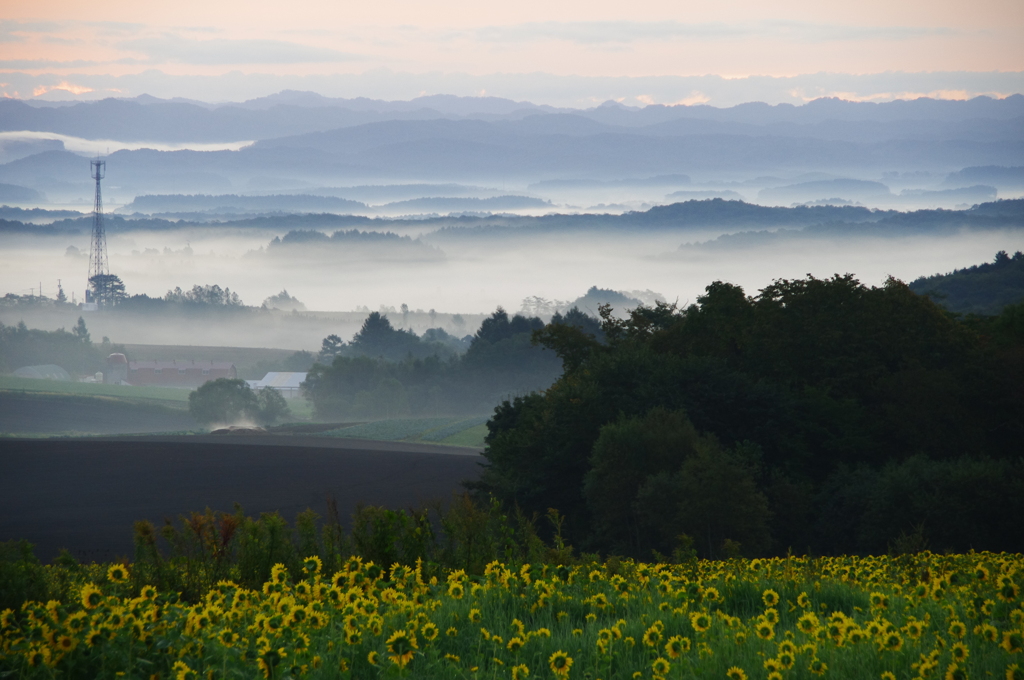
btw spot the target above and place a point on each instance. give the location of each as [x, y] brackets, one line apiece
[224, 402]
[378, 338]
[626, 454]
[284, 302]
[272, 407]
[712, 497]
[81, 332]
[107, 289]
[787, 389]
[73, 351]
[205, 295]
[499, 327]
[330, 348]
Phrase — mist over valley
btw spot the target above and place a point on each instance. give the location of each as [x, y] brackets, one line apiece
[616, 340]
[404, 271]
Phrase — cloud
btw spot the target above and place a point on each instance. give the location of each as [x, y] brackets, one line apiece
[947, 94]
[696, 97]
[50, 31]
[537, 87]
[14, 31]
[170, 48]
[35, 64]
[63, 85]
[112, 28]
[598, 32]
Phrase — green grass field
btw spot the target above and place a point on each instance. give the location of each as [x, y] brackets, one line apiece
[472, 437]
[170, 395]
[460, 431]
[302, 409]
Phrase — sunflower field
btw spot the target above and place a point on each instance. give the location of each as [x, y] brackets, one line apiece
[913, 616]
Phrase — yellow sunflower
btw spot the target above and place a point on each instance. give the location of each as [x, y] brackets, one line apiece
[676, 646]
[90, 596]
[808, 623]
[765, 630]
[560, 663]
[955, 672]
[736, 673]
[117, 573]
[1013, 641]
[700, 621]
[987, 631]
[402, 647]
[891, 641]
[652, 637]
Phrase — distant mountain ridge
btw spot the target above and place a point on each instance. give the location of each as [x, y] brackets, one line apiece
[286, 113]
[201, 202]
[691, 214]
[302, 140]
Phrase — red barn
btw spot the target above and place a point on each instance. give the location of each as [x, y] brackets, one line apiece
[189, 374]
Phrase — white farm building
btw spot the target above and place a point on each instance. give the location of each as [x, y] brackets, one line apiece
[285, 383]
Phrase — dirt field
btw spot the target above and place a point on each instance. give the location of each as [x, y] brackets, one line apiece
[84, 494]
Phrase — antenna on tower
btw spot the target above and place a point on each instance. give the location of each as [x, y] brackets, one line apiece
[98, 265]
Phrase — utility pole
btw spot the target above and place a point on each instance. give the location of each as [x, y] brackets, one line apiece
[98, 248]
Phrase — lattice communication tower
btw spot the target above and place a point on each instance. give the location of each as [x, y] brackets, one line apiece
[98, 265]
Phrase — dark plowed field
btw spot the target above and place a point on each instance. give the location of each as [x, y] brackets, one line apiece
[84, 494]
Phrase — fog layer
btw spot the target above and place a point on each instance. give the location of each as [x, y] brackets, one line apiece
[473, 276]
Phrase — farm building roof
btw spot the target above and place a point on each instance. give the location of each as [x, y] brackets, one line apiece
[213, 365]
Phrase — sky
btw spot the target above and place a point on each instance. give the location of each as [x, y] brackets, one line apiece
[640, 52]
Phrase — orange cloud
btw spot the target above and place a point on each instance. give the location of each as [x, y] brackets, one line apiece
[63, 85]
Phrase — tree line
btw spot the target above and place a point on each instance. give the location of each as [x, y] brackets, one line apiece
[388, 372]
[73, 350]
[819, 415]
[980, 289]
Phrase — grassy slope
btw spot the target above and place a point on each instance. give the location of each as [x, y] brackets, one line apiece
[473, 437]
[413, 430]
[463, 431]
[169, 396]
[39, 413]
